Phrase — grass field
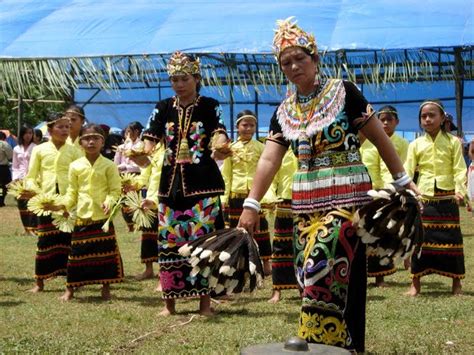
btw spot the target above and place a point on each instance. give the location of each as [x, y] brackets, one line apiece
[433, 323]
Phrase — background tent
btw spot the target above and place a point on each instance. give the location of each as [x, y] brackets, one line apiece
[110, 55]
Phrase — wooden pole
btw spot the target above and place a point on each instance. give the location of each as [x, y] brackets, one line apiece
[459, 87]
[20, 115]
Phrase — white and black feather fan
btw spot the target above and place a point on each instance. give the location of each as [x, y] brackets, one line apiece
[391, 224]
[228, 257]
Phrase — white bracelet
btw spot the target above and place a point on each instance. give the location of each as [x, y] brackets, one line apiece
[402, 181]
[252, 203]
[251, 206]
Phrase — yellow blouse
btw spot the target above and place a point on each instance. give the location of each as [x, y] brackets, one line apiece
[284, 177]
[239, 169]
[49, 166]
[92, 185]
[440, 162]
[76, 143]
[153, 175]
[401, 147]
[370, 158]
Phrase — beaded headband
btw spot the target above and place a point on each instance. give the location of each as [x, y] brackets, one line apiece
[244, 117]
[180, 64]
[432, 103]
[391, 112]
[77, 113]
[91, 135]
[52, 123]
[289, 34]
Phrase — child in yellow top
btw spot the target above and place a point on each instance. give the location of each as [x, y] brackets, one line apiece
[381, 177]
[149, 240]
[442, 182]
[49, 164]
[77, 117]
[94, 186]
[238, 172]
[283, 255]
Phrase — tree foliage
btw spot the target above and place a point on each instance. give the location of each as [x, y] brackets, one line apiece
[33, 112]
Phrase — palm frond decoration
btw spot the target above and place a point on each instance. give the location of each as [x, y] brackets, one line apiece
[36, 203]
[130, 181]
[142, 218]
[113, 212]
[17, 188]
[63, 221]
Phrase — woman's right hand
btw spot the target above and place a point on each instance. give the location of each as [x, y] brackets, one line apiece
[249, 220]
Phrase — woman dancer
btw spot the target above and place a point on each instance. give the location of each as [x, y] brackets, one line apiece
[320, 121]
[190, 182]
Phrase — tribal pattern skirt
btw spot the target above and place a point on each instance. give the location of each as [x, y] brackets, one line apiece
[53, 248]
[442, 251]
[149, 243]
[95, 256]
[374, 268]
[28, 218]
[181, 221]
[331, 271]
[283, 255]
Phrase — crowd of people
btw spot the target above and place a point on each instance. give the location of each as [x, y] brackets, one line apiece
[326, 148]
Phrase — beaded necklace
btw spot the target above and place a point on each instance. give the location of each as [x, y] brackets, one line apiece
[184, 122]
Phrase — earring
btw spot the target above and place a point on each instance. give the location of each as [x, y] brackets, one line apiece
[317, 78]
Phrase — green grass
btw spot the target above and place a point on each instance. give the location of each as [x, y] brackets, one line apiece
[433, 323]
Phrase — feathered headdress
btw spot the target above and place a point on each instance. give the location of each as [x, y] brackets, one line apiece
[289, 34]
[181, 64]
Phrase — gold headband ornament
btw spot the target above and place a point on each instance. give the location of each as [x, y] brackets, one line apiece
[289, 34]
[50, 124]
[244, 117]
[87, 135]
[77, 113]
[432, 103]
[180, 64]
[388, 111]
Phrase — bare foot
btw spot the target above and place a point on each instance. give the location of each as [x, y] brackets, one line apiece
[38, 287]
[205, 306]
[457, 288]
[275, 297]
[158, 287]
[105, 293]
[169, 308]
[379, 282]
[207, 312]
[144, 276]
[68, 295]
[414, 288]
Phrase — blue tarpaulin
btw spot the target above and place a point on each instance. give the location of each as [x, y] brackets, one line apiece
[93, 28]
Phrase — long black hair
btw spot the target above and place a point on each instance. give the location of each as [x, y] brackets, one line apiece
[24, 129]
